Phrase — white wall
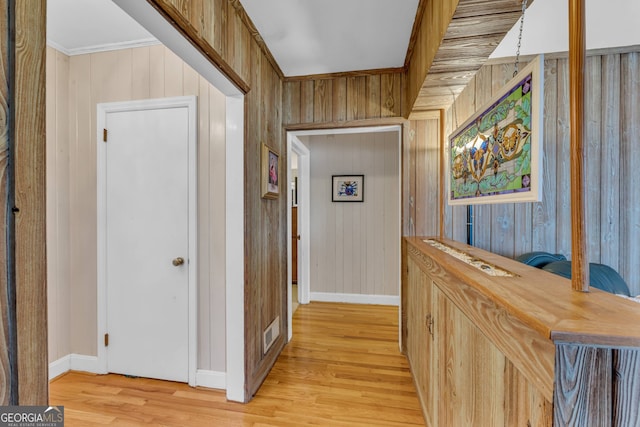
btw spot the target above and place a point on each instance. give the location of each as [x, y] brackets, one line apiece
[355, 246]
[74, 86]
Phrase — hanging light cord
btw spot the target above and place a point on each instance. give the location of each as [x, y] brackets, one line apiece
[524, 8]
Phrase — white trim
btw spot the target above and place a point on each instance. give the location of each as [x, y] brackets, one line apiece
[211, 379]
[59, 367]
[356, 298]
[102, 110]
[107, 47]
[234, 217]
[73, 362]
[294, 145]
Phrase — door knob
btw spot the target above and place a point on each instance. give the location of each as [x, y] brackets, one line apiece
[178, 261]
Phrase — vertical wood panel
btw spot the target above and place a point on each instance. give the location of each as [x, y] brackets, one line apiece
[390, 95]
[610, 165]
[140, 73]
[339, 99]
[323, 101]
[373, 96]
[306, 101]
[630, 202]
[5, 310]
[563, 174]
[30, 183]
[582, 394]
[593, 148]
[626, 388]
[356, 97]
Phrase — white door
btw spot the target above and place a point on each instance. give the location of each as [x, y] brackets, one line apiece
[146, 241]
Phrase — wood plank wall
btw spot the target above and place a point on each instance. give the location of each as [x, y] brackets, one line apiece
[221, 30]
[612, 84]
[341, 100]
[27, 142]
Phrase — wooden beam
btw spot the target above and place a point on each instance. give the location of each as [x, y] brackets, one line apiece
[580, 260]
[28, 154]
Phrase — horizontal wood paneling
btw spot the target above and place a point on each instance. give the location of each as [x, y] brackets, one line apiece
[355, 246]
[613, 94]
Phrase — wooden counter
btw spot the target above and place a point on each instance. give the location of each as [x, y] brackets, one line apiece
[521, 350]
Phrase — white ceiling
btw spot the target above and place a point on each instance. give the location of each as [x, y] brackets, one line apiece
[329, 36]
[325, 36]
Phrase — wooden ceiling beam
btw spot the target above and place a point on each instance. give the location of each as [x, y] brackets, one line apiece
[473, 31]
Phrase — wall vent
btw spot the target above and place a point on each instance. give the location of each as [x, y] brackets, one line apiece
[270, 334]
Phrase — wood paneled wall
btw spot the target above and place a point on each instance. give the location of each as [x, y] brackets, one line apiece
[612, 99]
[343, 99]
[421, 178]
[23, 345]
[355, 247]
[221, 30]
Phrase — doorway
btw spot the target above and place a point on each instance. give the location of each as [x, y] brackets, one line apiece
[147, 237]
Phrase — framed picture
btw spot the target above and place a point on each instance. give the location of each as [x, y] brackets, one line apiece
[496, 155]
[270, 174]
[347, 188]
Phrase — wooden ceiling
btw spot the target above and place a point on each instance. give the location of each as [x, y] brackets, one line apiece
[476, 29]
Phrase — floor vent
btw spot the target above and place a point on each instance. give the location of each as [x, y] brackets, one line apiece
[270, 334]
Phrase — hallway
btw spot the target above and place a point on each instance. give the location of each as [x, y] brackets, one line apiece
[342, 368]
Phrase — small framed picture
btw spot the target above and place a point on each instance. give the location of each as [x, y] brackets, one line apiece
[270, 173]
[347, 188]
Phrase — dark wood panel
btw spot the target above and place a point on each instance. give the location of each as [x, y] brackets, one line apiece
[323, 101]
[6, 367]
[582, 395]
[30, 250]
[626, 388]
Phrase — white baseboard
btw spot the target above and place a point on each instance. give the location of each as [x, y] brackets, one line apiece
[79, 362]
[59, 367]
[211, 379]
[355, 298]
[73, 362]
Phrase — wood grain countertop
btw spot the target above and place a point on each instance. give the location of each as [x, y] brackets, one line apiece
[542, 300]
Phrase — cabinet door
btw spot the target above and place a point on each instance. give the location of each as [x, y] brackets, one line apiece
[470, 370]
[420, 337]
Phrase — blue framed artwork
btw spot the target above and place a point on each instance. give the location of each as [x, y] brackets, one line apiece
[496, 155]
[347, 188]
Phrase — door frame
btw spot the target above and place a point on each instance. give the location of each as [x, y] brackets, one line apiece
[294, 145]
[103, 109]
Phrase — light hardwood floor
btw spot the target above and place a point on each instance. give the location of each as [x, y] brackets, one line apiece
[342, 368]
